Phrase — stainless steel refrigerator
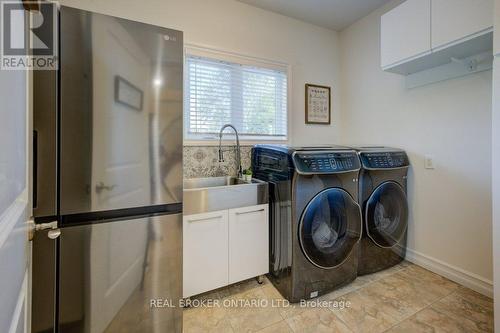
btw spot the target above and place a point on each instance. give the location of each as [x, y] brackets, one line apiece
[107, 164]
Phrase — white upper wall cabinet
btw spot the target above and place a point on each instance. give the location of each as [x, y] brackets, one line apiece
[406, 32]
[420, 35]
[453, 20]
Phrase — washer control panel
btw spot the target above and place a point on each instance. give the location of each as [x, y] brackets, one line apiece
[384, 160]
[326, 162]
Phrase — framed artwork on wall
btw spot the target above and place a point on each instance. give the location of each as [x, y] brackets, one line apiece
[318, 104]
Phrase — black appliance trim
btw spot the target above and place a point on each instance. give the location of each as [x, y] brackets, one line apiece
[119, 214]
[45, 219]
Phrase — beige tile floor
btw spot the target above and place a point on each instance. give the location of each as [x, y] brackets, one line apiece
[405, 298]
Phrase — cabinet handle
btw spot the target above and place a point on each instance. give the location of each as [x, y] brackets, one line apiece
[206, 218]
[252, 211]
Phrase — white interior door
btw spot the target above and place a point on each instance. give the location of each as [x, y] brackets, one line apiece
[14, 196]
[120, 166]
[496, 186]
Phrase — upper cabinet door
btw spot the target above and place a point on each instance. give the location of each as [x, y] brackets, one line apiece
[406, 32]
[453, 20]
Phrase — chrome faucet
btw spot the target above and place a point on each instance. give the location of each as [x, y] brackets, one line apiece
[238, 150]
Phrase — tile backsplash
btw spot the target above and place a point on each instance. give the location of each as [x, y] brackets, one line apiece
[203, 161]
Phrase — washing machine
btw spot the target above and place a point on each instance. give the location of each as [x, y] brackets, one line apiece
[384, 203]
[315, 218]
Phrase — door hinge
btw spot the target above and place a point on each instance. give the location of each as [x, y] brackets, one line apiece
[53, 233]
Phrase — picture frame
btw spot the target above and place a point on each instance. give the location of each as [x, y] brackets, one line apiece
[318, 104]
[127, 94]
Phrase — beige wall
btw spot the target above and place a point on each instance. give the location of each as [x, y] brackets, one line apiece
[228, 25]
[450, 226]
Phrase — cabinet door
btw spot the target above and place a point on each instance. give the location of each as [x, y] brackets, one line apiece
[453, 20]
[405, 32]
[205, 261]
[248, 242]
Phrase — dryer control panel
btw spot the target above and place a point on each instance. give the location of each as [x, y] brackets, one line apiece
[384, 160]
[326, 162]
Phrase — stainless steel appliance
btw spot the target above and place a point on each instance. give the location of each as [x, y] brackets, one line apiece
[108, 179]
[382, 196]
[314, 216]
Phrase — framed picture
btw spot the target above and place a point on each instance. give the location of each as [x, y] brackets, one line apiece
[127, 94]
[318, 104]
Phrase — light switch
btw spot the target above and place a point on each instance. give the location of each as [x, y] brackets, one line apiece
[429, 162]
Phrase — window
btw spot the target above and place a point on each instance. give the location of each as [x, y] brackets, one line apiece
[248, 94]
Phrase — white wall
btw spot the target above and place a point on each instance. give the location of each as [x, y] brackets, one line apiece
[232, 26]
[450, 225]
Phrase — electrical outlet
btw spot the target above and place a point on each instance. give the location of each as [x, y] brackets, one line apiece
[429, 162]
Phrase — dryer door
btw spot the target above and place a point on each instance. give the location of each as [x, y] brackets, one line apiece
[386, 214]
[330, 227]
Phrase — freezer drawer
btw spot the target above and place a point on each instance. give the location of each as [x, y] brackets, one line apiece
[112, 273]
[122, 276]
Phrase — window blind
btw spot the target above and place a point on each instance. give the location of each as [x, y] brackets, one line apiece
[252, 98]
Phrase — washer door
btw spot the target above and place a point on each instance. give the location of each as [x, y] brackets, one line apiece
[387, 214]
[330, 227]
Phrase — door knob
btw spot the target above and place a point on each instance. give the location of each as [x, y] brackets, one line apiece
[103, 187]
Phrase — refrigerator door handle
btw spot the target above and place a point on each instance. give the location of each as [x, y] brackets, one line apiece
[54, 233]
[34, 227]
[35, 169]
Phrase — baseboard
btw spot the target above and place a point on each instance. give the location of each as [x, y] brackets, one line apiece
[458, 275]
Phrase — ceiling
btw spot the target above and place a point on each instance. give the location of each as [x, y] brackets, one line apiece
[331, 14]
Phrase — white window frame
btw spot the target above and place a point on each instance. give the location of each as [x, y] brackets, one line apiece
[228, 138]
